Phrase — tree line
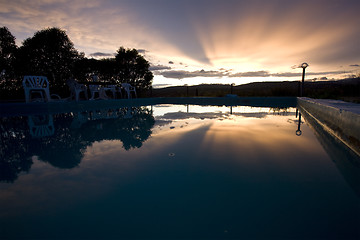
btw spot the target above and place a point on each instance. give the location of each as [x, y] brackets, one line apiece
[51, 53]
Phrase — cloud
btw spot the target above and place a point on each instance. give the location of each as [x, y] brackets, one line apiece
[182, 74]
[242, 35]
[171, 62]
[101, 55]
[159, 67]
[161, 85]
[141, 51]
[251, 74]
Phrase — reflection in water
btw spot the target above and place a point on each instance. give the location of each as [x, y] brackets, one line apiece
[201, 172]
[14, 141]
[62, 139]
[41, 125]
[298, 131]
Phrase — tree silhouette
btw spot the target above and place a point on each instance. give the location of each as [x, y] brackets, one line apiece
[105, 69]
[8, 50]
[49, 53]
[133, 68]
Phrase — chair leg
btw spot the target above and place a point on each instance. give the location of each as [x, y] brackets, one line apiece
[27, 96]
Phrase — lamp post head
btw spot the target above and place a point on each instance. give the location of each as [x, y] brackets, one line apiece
[304, 65]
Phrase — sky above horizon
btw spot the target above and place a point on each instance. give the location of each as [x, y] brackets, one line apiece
[206, 41]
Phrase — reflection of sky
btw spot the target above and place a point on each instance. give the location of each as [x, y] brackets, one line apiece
[162, 109]
[226, 170]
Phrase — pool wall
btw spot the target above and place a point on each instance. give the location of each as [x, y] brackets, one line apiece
[21, 109]
[340, 118]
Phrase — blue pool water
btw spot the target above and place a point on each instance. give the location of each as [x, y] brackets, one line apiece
[172, 171]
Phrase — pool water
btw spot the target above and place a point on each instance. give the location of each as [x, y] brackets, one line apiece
[175, 171]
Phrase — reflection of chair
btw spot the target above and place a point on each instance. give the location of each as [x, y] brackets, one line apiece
[36, 85]
[128, 89]
[76, 89]
[41, 125]
[128, 114]
[104, 114]
[111, 88]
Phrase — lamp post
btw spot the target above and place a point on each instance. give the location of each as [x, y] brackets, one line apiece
[303, 66]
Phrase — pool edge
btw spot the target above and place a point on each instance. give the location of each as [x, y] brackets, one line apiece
[340, 118]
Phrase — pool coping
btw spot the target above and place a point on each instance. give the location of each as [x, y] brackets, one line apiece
[341, 119]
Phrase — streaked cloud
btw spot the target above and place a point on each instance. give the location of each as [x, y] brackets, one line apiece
[182, 74]
[253, 38]
[101, 55]
[159, 67]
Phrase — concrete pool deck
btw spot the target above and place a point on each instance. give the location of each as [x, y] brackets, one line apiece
[341, 119]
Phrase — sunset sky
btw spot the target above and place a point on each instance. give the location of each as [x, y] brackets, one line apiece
[206, 41]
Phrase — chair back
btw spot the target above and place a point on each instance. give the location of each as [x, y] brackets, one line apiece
[36, 84]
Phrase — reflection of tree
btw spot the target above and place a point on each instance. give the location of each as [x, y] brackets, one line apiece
[65, 148]
[132, 131]
[14, 150]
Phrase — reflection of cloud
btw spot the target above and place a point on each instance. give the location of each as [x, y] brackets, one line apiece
[354, 65]
[216, 115]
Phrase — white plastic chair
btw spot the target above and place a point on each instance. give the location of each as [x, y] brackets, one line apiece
[76, 89]
[128, 89]
[93, 90]
[111, 88]
[38, 85]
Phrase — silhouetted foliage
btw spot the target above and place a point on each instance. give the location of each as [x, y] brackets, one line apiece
[105, 69]
[7, 57]
[7, 51]
[48, 53]
[133, 68]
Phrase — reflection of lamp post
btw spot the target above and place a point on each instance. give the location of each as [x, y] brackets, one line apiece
[231, 89]
[298, 131]
[304, 65]
[187, 90]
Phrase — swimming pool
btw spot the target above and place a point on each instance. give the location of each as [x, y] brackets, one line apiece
[255, 169]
